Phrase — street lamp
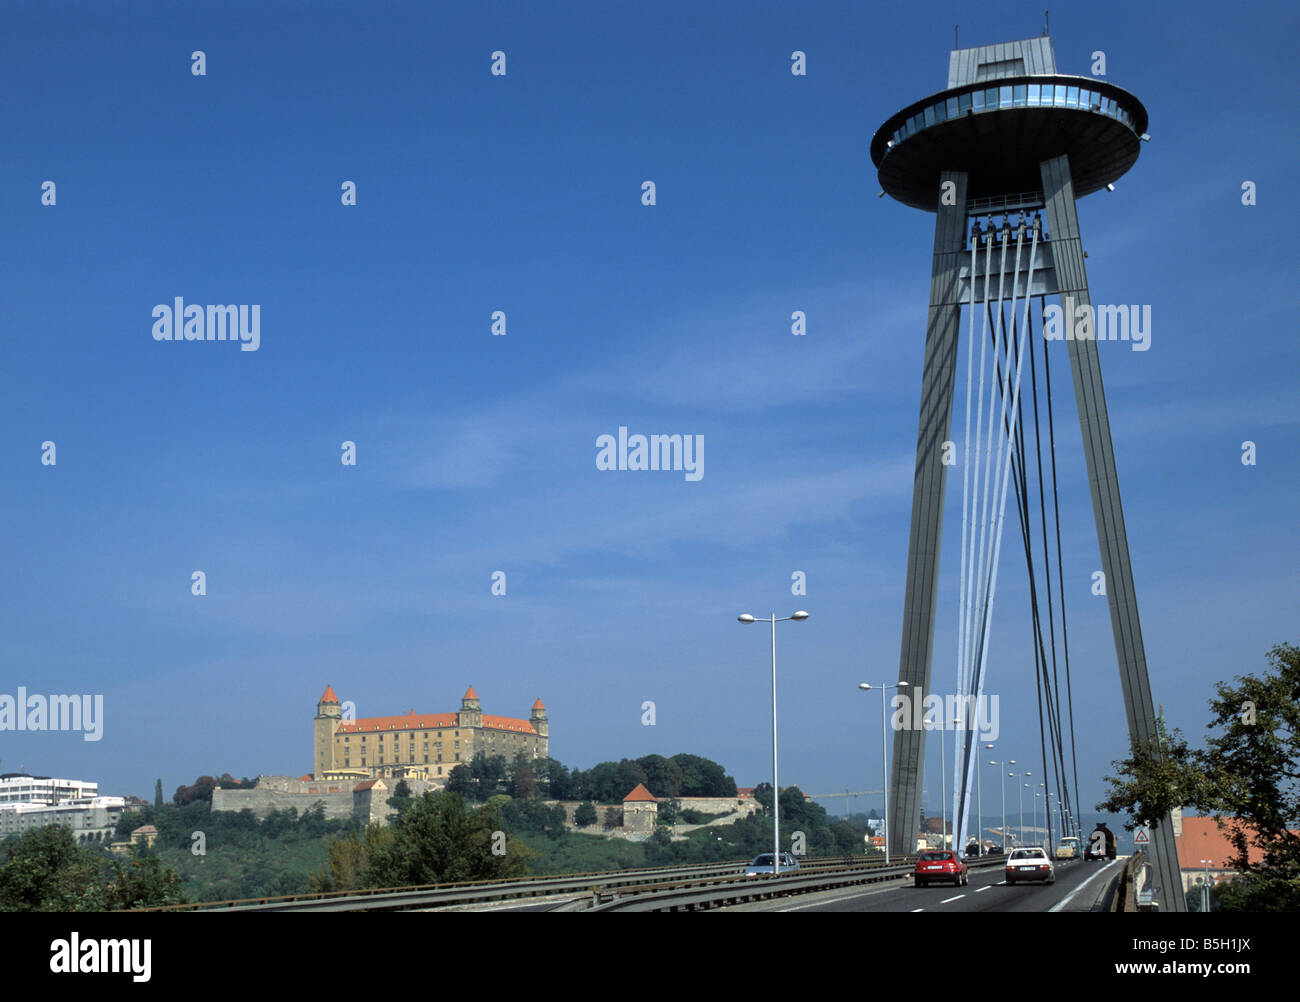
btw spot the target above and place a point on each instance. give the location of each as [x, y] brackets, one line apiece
[776, 790]
[1006, 839]
[1207, 863]
[943, 792]
[1021, 807]
[979, 804]
[884, 753]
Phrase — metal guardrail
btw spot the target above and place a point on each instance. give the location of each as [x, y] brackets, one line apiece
[1126, 891]
[601, 885]
[465, 891]
[737, 890]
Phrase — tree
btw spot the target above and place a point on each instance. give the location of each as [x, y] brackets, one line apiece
[45, 870]
[401, 798]
[522, 783]
[460, 780]
[200, 790]
[663, 776]
[702, 777]
[349, 859]
[142, 883]
[157, 793]
[1249, 774]
[439, 841]
[585, 814]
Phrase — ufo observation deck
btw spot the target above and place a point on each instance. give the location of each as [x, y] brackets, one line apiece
[999, 131]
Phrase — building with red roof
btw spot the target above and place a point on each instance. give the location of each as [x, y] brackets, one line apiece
[419, 745]
[1205, 848]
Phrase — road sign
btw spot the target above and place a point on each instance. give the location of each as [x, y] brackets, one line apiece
[1141, 837]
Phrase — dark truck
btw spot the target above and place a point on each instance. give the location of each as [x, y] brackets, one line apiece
[1101, 843]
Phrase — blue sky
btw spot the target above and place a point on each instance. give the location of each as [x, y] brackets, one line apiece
[477, 453]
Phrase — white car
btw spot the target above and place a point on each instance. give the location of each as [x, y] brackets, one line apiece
[1032, 863]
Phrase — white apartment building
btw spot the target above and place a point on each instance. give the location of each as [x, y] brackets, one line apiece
[21, 788]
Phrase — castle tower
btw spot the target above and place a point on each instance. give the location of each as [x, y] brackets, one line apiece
[329, 712]
[470, 715]
[538, 719]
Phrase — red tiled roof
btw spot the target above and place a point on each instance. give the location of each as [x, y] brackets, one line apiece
[508, 724]
[369, 784]
[640, 794]
[744, 791]
[145, 830]
[539, 705]
[470, 693]
[409, 722]
[1202, 839]
[307, 777]
[329, 696]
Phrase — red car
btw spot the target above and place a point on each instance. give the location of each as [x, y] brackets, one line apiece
[940, 864]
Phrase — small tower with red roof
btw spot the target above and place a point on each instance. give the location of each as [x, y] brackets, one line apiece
[538, 719]
[329, 713]
[471, 715]
[640, 811]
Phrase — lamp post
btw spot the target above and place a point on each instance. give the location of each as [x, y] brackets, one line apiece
[1206, 892]
[776, 790]
[1006, 840]
[884, 752]
[979, 804]
[943, 793]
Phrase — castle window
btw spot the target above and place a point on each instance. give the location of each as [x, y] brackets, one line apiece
[346, 763]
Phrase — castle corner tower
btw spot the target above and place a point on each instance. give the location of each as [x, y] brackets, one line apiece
[538, 719]
[329, 713]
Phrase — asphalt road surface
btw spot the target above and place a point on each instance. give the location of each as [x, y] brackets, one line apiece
[986, 892]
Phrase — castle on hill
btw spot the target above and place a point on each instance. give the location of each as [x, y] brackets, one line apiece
[419, 746]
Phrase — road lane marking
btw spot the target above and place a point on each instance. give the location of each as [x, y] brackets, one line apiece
[915, 910]
[1070, 897]
[946, 900]
[985, 888]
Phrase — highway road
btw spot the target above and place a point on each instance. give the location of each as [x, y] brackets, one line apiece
[986, 892]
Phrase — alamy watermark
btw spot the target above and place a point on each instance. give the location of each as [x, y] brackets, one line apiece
[53, 713]
[1098, 323]
[179, 322]
[919, 712]
[653, 452]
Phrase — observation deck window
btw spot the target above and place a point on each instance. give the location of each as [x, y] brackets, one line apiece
[1004, 97]
[1033, 95]
[1020, 95]
[1072, 97]
[1058, 98]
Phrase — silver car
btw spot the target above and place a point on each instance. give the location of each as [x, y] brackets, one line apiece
[762, 865]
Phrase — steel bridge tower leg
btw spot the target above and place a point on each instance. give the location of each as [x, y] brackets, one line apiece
[930, 477]
[1103, 483]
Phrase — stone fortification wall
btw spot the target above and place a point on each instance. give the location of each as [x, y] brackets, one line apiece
[262, 801]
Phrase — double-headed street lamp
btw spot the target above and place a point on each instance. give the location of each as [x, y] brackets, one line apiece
[979, 805]
[884, 753]
[776, 790]
[1006, 836]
